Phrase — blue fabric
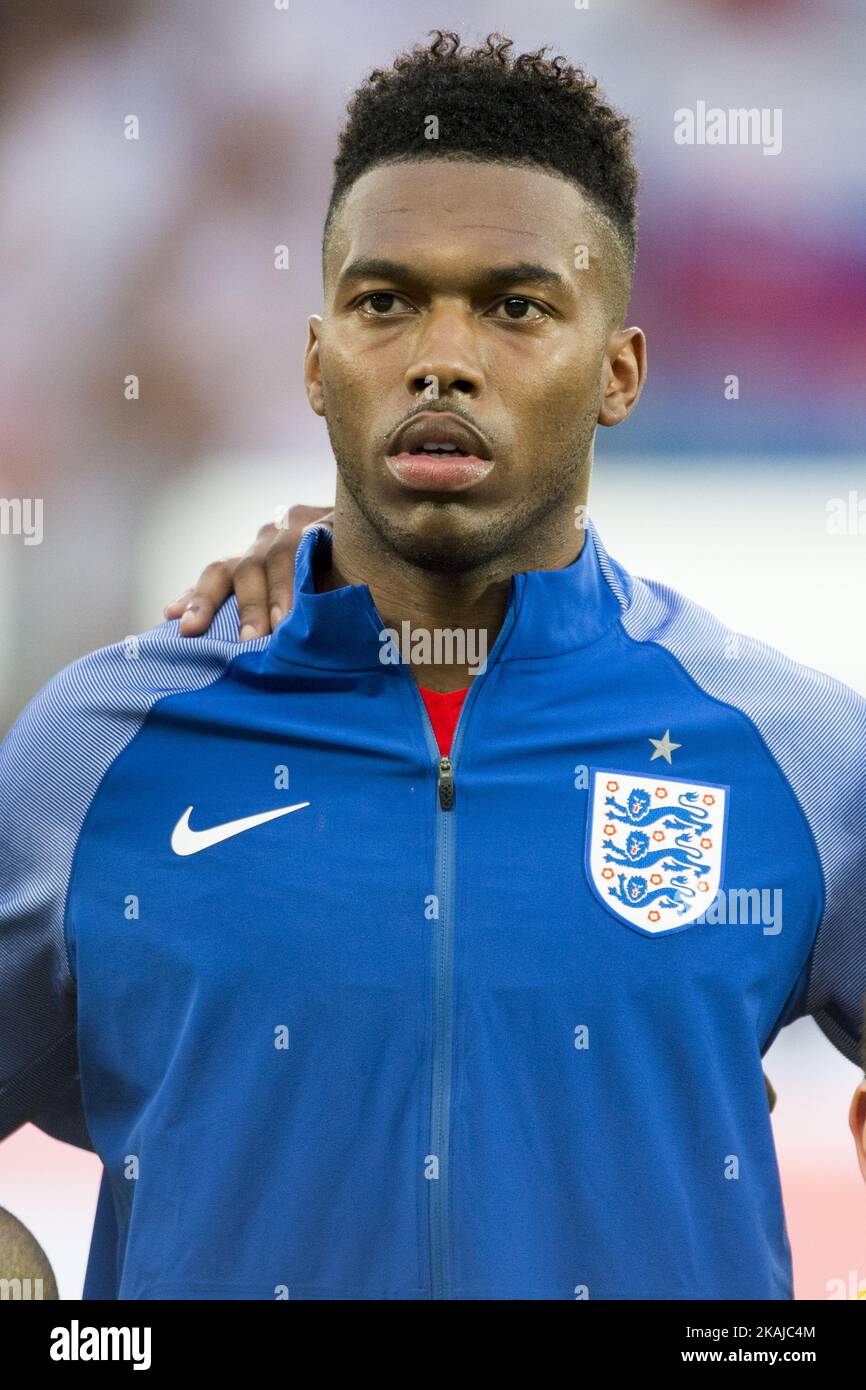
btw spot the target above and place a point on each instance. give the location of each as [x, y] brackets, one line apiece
[100, 1280]
[373, 1049]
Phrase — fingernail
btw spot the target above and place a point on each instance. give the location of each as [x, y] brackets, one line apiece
[247, 632]
[188, 614]
[276, 615]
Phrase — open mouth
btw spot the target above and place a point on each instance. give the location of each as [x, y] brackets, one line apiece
[438, 452]
[441, 450]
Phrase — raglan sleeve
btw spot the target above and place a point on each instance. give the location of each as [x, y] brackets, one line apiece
[835, 993]
[42, 809]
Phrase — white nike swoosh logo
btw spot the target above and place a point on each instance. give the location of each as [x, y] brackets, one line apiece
[184, 840]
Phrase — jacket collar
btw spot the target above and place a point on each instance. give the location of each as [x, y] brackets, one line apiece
[549, 612]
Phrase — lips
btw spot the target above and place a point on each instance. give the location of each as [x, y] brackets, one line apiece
[431, 427]
[466, 458]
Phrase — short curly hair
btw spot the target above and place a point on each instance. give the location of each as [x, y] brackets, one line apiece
[527, 110]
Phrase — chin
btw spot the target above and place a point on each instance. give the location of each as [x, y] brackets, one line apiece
[442, 545]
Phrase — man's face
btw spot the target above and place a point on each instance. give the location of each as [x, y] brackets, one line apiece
[459, 288]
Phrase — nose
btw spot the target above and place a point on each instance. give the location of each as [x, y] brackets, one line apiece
[444, 356]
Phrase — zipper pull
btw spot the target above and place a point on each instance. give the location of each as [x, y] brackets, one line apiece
[446, 784]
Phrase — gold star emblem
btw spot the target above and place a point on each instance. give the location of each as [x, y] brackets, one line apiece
[663, 747]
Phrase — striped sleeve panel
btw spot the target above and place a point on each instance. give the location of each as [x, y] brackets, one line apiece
[51, 765]
[815, 729]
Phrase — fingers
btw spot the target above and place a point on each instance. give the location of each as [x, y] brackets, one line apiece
[298, 518]
[251, 587]
[280, 556]
[174, 610]
[199, 604]
[265, 535]
[263, 579]
[280, 569]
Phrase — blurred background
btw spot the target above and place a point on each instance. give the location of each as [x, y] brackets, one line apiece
[155, 257]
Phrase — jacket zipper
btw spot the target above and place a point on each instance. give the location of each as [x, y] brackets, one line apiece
[446, 784]
[443, 979]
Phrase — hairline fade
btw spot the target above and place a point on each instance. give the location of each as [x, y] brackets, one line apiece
[524, 110]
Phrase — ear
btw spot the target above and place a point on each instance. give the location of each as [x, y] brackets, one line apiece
[857, 1124]
[312, 366]
[624, 370]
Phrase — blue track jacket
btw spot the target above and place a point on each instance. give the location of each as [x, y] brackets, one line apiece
[344, 1019]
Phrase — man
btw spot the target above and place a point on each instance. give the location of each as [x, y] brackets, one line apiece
[387, 984]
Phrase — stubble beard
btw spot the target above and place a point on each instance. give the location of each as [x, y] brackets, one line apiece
[515, 531]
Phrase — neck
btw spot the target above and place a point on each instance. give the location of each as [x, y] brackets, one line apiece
[451, 621]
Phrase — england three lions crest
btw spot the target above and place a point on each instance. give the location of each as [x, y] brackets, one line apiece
[655, 848]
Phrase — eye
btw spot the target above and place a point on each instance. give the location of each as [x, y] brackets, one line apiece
[515, 306]
[380, 302]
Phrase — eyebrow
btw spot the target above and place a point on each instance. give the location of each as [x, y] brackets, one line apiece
[493, 277]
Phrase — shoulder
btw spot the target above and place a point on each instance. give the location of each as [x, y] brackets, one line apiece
[814, 727]
[67, 736]
[811, 722]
